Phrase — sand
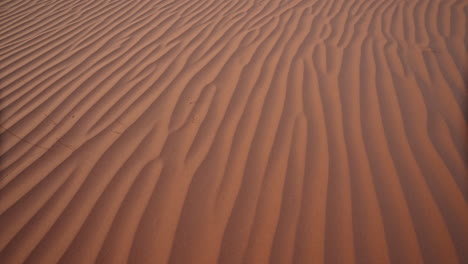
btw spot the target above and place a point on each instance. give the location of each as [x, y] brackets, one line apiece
[233, 131]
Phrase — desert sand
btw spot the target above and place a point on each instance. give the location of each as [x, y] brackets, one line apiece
[233, 131]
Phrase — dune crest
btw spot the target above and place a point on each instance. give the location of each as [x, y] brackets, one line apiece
[240, 131]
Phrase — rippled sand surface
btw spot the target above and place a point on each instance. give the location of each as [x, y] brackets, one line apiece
[233, 131]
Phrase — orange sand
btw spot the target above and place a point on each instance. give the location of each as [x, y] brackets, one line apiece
[233, 131]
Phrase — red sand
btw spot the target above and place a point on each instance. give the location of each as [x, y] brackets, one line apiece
[233, 131]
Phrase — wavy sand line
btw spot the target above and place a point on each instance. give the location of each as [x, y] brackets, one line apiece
[246, 131]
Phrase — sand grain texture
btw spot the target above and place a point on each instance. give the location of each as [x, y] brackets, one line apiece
[233, 131]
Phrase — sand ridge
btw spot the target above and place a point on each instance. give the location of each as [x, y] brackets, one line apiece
[240, 131]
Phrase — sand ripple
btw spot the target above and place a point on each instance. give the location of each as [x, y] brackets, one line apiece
[233, 131]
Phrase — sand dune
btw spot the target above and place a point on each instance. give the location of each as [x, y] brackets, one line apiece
[233, 131]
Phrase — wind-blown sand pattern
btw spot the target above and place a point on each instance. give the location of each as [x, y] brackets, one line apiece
[233, 131]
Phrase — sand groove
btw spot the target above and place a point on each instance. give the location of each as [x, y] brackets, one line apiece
[240, 131]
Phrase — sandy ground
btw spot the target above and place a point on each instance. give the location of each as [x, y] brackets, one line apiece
[233, 131]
